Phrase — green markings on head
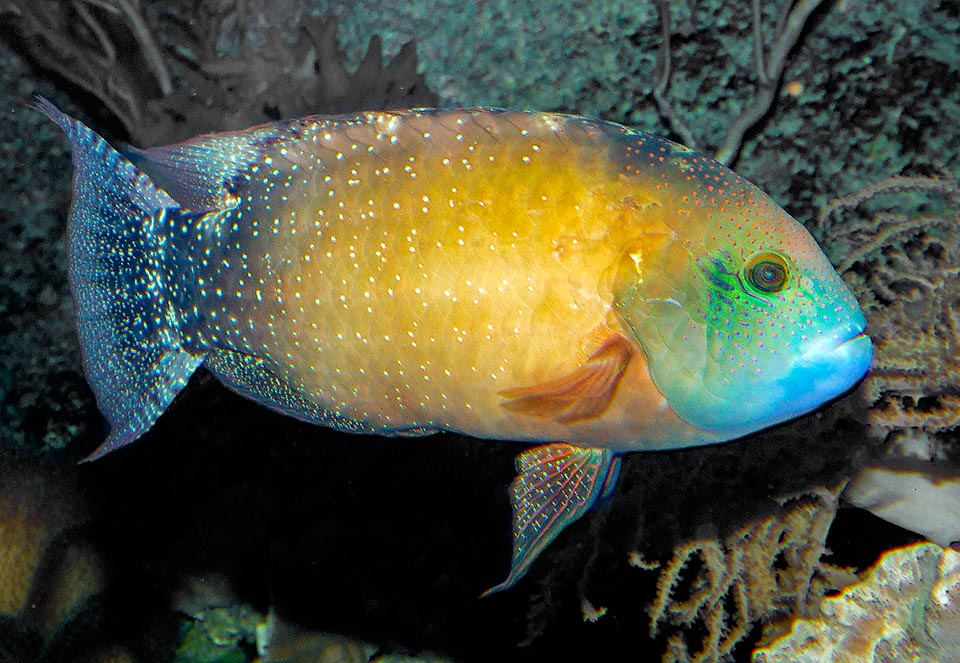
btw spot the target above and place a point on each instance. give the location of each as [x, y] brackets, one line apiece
[762, 274]
[739, 308]
[741, 337]
[743, 321]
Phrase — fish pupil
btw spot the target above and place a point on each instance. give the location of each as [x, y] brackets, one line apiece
[768, 273]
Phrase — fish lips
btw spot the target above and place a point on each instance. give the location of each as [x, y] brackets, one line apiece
[830, 367]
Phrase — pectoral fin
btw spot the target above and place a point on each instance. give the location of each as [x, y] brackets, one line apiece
[556, 484]
[583, 394]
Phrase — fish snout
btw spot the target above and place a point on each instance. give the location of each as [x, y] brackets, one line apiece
[833, 364]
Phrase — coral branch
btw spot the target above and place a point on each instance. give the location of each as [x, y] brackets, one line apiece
[943, 187]
[901, 227]
[105, 46]
[768, 67]
[769, 72]
[662, 83]
[147, 45]
[766, 570]
[758, 48]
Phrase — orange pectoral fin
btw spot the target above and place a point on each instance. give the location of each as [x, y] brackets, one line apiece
[583, 394]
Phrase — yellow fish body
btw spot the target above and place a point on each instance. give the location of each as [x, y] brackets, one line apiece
[507, 275]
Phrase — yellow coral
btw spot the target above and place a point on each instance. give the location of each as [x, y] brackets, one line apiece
[762, 571]
[285, 642]
[78, 576]
[21, 542]
[45, 575]
[110, 654]
[33, 510]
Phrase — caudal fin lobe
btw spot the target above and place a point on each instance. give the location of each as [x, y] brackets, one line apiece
[122, 282]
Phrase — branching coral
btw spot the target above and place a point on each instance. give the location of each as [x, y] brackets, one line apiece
[905, 608]
[713, 590]
[898, 245]
[81, 41]
[104, 46]
[769, 65]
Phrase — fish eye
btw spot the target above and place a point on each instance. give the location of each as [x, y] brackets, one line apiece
[767, 272]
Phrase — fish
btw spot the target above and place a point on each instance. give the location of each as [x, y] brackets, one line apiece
[521, 276]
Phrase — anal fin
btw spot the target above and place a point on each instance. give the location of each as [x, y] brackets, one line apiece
[557, 484]
[583, 394]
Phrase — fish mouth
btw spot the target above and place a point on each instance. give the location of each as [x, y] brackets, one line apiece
[830, 350]
[854, 344]
[857, 353]
[832, 367]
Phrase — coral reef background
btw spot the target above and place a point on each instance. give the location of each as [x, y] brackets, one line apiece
[390, 541]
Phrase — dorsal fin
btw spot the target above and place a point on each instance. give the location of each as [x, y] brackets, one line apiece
[199, 173]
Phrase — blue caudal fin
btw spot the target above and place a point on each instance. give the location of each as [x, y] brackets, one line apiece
[123, 289]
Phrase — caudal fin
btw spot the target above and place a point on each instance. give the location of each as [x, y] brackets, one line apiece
[121, 277]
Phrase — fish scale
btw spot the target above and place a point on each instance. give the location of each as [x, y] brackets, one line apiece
[409, 301]
[507, 275]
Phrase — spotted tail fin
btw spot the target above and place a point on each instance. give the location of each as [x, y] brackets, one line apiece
[120, 276]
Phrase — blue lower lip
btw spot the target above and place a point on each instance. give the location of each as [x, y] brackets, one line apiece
[858, 355]
[832, 374]
[853, 348]
[819, 377]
